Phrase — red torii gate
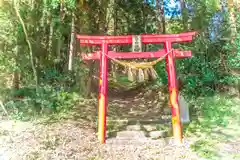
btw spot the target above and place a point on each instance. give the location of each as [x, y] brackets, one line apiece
[104, 54]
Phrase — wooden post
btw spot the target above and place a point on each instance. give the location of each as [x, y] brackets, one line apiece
[102, 107]
[172, 85]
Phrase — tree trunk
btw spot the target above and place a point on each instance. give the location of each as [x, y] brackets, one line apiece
[35, 75]
[102, 31]
[59, 39]
[50, 38]
[160, 14]
[90, 78]
[111, 30]
[163, 18]
[1, 3]
[233, 4]
[16, 80]
[58, 47]
[232, 18]
[184, 15]
[16, 75]
[72, 42]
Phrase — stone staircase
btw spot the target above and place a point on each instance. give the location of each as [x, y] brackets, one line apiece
[141, 131]
[137, 127]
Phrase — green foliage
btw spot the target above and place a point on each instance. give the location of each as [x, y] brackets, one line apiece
[216, 120]
[205, 148]
[47, 100]
[210, 67]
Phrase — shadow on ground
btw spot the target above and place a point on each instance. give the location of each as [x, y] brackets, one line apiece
[145, 106]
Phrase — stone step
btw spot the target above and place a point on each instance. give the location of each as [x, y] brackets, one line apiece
[134, 135]
[158, 134]
[152, 131]
[128, 135]
[136, 127]
[134, 142]
[148, 127]
[133, 121]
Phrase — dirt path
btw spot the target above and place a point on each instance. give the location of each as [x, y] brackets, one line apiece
[67, 140]
[74, 140]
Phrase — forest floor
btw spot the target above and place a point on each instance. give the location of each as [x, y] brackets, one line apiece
[72, 135]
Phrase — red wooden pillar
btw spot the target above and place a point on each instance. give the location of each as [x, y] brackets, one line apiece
[102, 106]
[172, 85]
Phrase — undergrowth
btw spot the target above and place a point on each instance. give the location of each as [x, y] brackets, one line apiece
[216, 120]
[26, 103]
[56, 94]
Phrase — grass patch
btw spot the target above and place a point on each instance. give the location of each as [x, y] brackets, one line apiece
[217, 121]
[51, 142]
[205, 148]
[4, 132]
[94, 158]
[115, 126]
[33, 155]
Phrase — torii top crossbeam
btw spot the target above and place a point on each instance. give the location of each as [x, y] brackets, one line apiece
[146, 39]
